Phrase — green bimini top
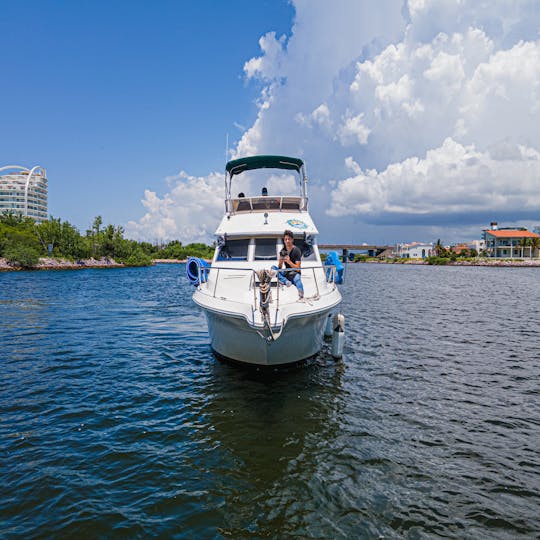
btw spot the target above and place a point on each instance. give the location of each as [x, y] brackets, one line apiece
[236, 166]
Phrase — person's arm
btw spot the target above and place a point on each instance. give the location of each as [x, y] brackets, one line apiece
[293, 264]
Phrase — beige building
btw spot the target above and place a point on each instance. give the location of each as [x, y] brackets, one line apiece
[511, 243]
[24, 191]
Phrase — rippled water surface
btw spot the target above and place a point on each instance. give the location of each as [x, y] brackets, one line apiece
[117, 421]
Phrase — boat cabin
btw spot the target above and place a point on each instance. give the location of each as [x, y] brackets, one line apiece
[262, 249]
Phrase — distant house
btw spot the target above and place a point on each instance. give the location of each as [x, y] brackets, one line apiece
[478, 245]
[459, 248]
[511, 243]
[415, 250]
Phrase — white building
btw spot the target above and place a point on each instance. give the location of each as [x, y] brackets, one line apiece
[24, 191]
[415, 250]
[478, 245]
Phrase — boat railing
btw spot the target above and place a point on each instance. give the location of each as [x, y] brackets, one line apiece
[259, 204]
[210, 286]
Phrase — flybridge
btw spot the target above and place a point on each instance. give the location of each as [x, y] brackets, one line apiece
[277, 201]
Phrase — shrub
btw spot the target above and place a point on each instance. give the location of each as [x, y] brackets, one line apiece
[21, 255]
[138, 258]
[438, 260]
[360, 258]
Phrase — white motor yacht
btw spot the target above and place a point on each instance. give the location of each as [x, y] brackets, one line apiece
[252, 318]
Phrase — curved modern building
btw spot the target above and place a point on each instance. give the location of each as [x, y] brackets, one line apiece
[24, 191]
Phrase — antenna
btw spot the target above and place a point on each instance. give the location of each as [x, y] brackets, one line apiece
[227, 147]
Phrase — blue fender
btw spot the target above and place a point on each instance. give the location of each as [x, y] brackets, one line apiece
[192, 270]
[332, 259]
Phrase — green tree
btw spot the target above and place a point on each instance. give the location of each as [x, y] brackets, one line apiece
[18, 243]
[94, 234]
[137, 257]
[16, 220]
[523, 243]
[149, 249]
[439, 248]
[535, 245]
[22, 255]
[48, 232]
[71, 244]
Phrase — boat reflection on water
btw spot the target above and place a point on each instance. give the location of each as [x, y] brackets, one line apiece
[272, 430]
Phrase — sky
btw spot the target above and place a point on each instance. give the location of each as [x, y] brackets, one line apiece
[417, 119]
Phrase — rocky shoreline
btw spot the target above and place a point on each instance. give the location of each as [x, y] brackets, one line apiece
[46, 263]
[476, 262]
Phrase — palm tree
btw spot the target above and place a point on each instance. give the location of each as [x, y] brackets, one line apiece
[523, 244]
[535, 245]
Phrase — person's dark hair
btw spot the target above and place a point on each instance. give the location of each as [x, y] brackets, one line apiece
[287, 233]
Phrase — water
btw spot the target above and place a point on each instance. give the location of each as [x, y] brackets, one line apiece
[116, 420]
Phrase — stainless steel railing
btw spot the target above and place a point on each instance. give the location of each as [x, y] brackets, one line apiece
[208, 283]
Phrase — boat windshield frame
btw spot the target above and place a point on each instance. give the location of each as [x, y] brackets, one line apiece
[237, 166]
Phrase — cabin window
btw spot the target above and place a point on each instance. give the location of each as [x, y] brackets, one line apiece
[265, 249]
[234, 250]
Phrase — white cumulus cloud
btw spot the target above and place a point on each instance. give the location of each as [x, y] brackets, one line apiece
[452, 179]
[403, 111]
[189, 212]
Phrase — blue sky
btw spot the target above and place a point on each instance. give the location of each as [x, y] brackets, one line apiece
[113, 96]
[418, 119]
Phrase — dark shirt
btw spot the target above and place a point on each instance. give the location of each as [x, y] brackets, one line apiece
[295, 255]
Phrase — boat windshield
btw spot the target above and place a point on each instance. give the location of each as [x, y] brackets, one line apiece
[262, 249]
[265, 249]
[234, 250]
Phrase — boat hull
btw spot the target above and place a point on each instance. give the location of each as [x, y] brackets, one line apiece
[232, 337]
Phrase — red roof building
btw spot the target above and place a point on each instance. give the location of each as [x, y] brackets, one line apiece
[511, 243]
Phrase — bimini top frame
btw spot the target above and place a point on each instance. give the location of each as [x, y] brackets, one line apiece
[237, 166]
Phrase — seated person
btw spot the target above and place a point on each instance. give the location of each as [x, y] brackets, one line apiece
[290, 256]
[264, 192]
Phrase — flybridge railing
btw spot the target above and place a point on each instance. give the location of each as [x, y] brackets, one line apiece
[259, 204]
[210, 287]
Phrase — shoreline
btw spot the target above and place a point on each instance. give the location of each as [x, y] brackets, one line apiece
[50, 263]
[479, 262]
[47, 263]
